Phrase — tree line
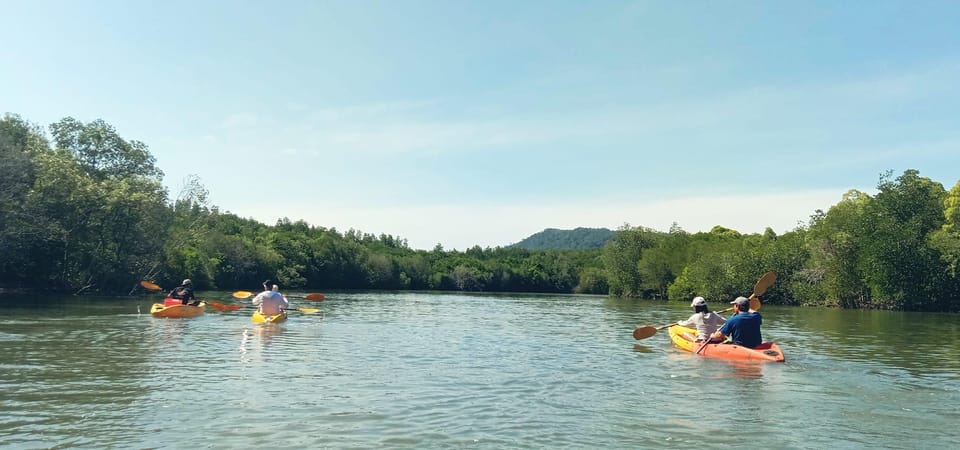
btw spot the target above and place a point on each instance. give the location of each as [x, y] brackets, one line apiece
[84, 210]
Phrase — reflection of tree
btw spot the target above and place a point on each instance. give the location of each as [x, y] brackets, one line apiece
[894, 338]
[65, 365]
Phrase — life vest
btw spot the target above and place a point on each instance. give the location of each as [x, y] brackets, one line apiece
[180, 292]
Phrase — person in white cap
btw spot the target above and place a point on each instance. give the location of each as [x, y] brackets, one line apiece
[705, 321]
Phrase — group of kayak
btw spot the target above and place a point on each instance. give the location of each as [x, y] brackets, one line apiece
[744, 343]
[174, 309]
[739, 338]
[271, 306]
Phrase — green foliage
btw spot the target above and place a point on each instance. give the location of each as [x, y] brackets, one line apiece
[21, 143]
[622, 256]
[900, 268]
[90, 213]
[593, 280]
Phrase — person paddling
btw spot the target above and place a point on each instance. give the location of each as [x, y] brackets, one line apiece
[271, 301]
[744, 327]
[184, 293]
[705, 321]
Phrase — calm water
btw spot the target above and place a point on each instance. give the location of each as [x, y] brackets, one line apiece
[474, 371]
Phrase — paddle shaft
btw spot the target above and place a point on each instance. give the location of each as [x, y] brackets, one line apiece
[314, 297]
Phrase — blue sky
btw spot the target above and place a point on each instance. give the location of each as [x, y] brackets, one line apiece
[480, 123]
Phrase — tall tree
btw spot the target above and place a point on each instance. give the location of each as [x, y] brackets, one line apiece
[902, 271]
[21, 143]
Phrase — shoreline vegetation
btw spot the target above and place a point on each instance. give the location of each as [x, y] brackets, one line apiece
[83, 210]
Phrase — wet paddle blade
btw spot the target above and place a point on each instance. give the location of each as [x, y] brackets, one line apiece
[307, 310]
[644, 332]
[149, 286]
[315, 297]
[217, 306]
[223, 306]
[762, 285]
[242, 294]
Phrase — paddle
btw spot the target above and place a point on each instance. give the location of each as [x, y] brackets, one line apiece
[150, 286]
[215, 305]
[223, 307]
[314, 297]
[648, 330]
[303, 310]
[759, 289]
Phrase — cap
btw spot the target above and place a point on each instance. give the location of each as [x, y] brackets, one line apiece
[742, 302]
[186, 282]
[698, 301]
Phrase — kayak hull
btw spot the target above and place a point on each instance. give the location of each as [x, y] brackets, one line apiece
[683, 337]
[260, 318]
[177, 311]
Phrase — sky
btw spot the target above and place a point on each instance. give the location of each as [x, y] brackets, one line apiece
[483, 122]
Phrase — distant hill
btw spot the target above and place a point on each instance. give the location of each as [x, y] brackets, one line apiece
[577, 238]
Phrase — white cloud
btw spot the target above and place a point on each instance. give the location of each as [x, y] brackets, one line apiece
[775, 111]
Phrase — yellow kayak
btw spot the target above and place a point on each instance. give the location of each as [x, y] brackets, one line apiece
[177, 311]
[276, 318]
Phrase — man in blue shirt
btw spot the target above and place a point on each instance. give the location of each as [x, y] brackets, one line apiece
[744, 327]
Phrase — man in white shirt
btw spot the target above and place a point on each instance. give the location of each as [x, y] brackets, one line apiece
[270, 300]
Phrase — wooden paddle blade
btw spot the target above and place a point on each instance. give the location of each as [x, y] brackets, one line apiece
[315, 297]
[242, 294]
[149, 286]
[764, 283]
[307, 310]
[218, 306]
[644, 332]
[754, 303]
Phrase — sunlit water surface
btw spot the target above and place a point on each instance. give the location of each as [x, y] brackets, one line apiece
[426, 370]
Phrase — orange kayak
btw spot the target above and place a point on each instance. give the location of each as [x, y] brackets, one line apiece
[177, 311]
[684, 338]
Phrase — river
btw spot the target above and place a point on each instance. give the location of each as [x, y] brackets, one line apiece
[440, 370]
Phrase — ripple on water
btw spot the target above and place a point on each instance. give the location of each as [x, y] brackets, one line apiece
[441, 371]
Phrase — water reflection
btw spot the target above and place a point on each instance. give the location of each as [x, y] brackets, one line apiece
[742, 369]
[642, 349]
[258, 339]
[452, 371]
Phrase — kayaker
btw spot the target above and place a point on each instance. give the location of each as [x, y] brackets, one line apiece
[271, 301]
[703, 320]
[184, 293]
[743, 327]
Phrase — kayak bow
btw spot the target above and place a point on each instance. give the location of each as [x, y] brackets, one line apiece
[177, 311]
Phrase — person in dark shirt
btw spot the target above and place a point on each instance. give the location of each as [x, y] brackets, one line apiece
[184, 293]
[744, 327]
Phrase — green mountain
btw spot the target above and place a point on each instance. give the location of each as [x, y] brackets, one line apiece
[577, 238]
